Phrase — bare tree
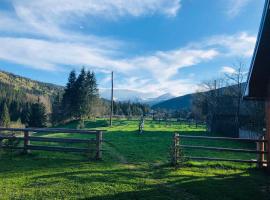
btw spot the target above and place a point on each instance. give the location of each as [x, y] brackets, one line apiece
[236, 80]
[206, 101]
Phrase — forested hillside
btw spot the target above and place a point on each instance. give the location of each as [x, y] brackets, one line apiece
[27, 102]
[19, 94]
[25, 85]
[177, 103]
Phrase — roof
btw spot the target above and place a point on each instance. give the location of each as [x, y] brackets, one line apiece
[259, 74]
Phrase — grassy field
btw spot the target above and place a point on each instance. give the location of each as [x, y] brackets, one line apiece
[133, 167]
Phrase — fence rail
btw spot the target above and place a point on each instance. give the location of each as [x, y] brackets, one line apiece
[27, 138]
[260, 149]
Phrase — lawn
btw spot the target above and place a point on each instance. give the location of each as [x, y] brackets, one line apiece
[133, 167]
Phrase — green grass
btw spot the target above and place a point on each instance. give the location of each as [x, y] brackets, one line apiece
[133, 167]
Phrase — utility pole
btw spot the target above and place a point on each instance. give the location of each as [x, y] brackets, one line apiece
[111, 102]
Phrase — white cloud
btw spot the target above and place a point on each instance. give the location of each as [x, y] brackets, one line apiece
[158, 67]
[153, 72]
[228, 70]
[238, 45]
[235, 7]
[163, 65]
[45, 43]
[61, 10]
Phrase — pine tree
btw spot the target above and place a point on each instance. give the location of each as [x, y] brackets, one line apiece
[4, 116]
[92, 94]
[25, 113]
[81, 95]
[68, 101]
[38, 117]
[57, 114]
[14, 110]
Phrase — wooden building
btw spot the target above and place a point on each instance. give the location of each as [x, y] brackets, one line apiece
[258, 87]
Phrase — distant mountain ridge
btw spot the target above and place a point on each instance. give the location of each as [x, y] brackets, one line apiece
[134, 96]
[29, 85]
[177, 103]
[185, 102]
[159, 99]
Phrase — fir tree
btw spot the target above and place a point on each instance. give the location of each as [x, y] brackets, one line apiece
[81, 98]
[92, 94]
[68, 101]
[25, 113]
[4, 116]
[38, 117]
[57, 113]
[14, 110]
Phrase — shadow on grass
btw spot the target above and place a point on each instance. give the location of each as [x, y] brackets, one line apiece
[210, 189]
[244, 185]
[247, 185]
[210, 182]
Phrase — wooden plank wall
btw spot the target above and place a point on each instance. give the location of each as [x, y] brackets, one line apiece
[267, 136]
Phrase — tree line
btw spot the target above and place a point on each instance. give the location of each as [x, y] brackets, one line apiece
[20, 106]
[79, 100]
[29, 114]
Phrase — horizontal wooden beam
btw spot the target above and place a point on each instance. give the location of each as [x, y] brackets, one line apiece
[221, 138]
[223, 149]
[61, 149]
[47, 139]
[224, 159]
[9, 137]
[52, 130]
[12, 147]
[61, 140]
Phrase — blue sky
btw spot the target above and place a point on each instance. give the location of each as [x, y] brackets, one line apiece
[153, 46]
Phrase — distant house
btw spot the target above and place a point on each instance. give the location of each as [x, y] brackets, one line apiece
[258, 87]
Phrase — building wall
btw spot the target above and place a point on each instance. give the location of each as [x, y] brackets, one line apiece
[267, 136]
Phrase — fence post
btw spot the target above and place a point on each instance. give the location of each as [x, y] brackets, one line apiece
[260, 156]
[98, 145]
[175, 149]
[26, 142]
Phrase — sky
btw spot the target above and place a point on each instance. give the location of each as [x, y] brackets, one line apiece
[153, 46]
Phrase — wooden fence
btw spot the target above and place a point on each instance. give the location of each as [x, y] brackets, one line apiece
[94, 144]
[260, 150]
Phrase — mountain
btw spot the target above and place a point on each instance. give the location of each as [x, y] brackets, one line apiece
[134, 96]
[28, 85]
[177, 103]
[23, 90]
[162, 98]
[126, 95]
[185, 102]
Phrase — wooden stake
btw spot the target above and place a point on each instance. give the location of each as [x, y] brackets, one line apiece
[26, 142]
[175, 149]
[99, 145]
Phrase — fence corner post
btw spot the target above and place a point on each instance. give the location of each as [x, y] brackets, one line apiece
[26, 142]
[98, 145]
